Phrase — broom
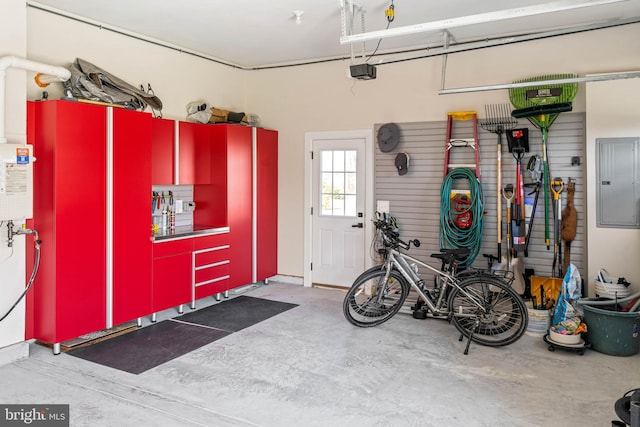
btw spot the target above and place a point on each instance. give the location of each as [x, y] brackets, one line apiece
[541, 105]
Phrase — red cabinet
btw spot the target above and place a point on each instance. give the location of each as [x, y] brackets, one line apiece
[194, 153]
[70, 207]
[266, 212]
[236, 140]
[131, 225]
[171, 274]
[244, 171]
[91, 206]
[162, 151]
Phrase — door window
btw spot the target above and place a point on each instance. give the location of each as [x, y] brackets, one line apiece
[338, 187]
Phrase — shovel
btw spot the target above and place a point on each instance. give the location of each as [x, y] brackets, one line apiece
[556, 188]
[515, 264]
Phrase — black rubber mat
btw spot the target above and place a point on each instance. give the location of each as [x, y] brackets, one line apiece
[237, 313]
[148, 347]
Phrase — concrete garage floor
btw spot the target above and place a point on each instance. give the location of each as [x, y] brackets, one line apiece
[309, 367]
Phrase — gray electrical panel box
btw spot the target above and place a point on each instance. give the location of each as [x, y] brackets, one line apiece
[618, 182]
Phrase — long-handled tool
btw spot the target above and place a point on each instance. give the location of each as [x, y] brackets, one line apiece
[533, 166]
[498, 120]
[509, 196]
[569, 224]
[556, 188]
[514, 264]
[518, 220]
[541, 105]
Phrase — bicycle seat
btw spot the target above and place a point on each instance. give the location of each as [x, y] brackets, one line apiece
[448, 254]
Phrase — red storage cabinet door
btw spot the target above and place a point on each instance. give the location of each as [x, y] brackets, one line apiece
[186, 153]
[162, 152]
[194, 152]
[69, 196]
[211, 199]
[267, 203]
[132, 244]
[239, 201]
[171, 281]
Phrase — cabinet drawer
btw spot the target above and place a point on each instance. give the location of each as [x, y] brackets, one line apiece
[210, 241]
[173, 247]
[212, 272]
[212, 255]
[212, 288]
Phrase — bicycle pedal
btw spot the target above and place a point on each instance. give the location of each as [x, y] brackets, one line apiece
[419, 314]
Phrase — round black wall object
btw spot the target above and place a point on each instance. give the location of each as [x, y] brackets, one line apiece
[388, 137]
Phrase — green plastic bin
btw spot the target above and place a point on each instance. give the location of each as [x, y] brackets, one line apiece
[612, 332]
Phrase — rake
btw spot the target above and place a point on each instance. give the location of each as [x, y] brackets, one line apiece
[498, 121]
[541, 105]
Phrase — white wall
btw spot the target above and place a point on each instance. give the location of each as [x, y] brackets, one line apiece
[299, 99]
[13, 41]
[176, 78]
[614, 112]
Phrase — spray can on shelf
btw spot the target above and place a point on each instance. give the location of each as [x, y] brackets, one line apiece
[165, 220]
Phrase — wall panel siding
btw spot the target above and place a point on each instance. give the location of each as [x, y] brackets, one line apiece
[415, 197]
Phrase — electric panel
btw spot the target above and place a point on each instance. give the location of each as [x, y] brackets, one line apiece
[618, 182]
[16, 181]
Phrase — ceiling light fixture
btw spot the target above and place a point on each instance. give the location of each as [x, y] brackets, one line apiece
[520, 12]
[298, 14]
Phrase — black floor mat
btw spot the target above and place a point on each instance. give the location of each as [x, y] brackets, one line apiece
[149, 347]
[237, 313]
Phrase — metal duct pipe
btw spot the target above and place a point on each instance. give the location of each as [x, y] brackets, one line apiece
[6, 62]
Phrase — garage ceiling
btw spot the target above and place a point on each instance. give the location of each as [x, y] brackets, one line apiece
[259, 33]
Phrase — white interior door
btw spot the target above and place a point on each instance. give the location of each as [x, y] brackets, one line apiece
[338, 206]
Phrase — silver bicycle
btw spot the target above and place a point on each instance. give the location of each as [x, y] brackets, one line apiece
[481, 304]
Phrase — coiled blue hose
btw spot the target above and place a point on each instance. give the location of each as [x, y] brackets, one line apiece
[451, 235]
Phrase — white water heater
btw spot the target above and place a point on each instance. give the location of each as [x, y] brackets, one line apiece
[16, 181]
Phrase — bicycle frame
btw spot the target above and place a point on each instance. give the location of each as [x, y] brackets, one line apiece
[401, 263]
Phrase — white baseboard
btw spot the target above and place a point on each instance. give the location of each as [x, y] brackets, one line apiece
[11, 353]
[292, 280]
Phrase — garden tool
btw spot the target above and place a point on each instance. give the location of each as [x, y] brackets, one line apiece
[569, 224]
[499, 121]
[515, 264]
[556, 188]
[533, 166]
[541, 105]
[518, 221]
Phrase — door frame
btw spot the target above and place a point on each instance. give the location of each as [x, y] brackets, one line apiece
[309, 138]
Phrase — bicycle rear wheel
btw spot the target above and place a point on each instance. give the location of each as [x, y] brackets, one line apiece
[373, 300]
[502, 317]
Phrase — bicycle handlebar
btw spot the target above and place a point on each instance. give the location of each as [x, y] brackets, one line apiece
[391, 237]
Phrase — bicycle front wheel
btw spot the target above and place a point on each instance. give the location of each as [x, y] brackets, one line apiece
[373, 300]
[490, 308]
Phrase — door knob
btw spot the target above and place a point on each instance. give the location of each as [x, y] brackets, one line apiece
[358, 225]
